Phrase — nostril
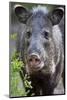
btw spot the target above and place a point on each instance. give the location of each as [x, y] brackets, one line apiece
[37, 60]
[30, 60]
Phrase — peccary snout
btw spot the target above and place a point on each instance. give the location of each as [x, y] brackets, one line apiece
[34, 60]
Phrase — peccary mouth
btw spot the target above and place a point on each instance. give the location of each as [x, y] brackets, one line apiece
[37, 67]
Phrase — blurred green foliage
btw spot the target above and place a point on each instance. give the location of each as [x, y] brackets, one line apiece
[13, 36]
[18, 86]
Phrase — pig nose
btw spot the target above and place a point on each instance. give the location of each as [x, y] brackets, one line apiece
[34, 60]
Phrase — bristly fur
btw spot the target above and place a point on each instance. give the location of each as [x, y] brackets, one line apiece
[40, 8]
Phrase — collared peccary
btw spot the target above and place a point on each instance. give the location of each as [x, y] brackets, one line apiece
[41, 48]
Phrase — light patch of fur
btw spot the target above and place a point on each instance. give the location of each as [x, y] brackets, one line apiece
[40, 8]
[57, 37]
[40, 91]
[59, 89]
[53, 67]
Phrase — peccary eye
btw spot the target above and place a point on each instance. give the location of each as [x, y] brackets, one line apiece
[46, 35]
[28, 34]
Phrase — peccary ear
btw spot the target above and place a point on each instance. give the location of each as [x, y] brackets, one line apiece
[22, 13]
[57, 15]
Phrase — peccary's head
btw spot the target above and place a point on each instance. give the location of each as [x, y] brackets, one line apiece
[42, 38]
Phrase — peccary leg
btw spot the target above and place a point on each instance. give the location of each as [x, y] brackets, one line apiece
[47, 90]
[36, 88]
